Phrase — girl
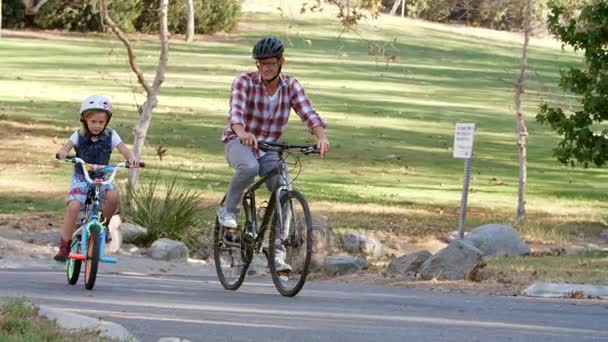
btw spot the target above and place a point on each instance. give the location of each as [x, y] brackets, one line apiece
[94, 143]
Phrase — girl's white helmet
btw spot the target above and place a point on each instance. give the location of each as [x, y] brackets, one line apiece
[96, 102]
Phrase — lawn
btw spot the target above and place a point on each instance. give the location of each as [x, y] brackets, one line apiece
[390, 124]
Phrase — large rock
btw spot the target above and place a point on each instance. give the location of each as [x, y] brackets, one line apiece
[459, 260]
[497, 239]
[324, 241]
[323, 244]
[362, 243]
[170, 250]
[116, 234]
[409, 263]
[341, 265]
[132, 233]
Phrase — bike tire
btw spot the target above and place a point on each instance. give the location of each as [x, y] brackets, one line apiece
[297, 243]
[73, 266]
[92, 259]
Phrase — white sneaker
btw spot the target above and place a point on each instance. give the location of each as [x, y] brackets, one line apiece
[226, 218]
[281, 265]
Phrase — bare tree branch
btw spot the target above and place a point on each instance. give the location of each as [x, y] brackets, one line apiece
[145, 116]
[38, 5]
[123, 38]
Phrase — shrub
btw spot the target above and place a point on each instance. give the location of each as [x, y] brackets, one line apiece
[84, 15]
[166, 215]
[209, 16]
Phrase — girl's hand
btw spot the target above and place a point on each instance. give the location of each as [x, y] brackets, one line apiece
[61, 154]
[133, 163]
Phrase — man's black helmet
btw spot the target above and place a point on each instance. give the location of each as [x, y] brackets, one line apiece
[267, 47]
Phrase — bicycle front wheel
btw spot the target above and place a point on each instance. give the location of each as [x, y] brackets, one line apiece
[73, 269]
[292, 243]
[92, 258]
[232, 257]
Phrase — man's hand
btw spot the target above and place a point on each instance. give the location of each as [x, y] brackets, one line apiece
[322, 141]
[248, 139]
[322, 145]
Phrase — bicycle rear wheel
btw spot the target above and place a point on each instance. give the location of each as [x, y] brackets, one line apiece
[230, 254]
[294, 241]
[92, 259]
[73, 269]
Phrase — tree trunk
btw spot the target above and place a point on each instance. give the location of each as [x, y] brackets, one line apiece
[145, 117]
[190, 18]
[522, 131]
[32, 7]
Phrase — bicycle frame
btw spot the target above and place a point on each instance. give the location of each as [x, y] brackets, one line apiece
[92, 215]
[251, 218]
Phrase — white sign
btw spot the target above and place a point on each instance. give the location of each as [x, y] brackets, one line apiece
[463, 140]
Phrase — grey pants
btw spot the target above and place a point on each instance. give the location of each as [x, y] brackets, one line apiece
[243, 160]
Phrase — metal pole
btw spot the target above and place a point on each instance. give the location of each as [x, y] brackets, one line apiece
[465, 195]
[402, 8]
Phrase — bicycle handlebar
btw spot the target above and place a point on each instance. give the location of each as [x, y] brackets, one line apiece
[96, 167]
[283, 146]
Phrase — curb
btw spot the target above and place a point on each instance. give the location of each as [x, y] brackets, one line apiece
[72, 321]
[563, 290]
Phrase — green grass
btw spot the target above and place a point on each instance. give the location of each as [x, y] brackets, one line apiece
[391, 126]
[19, 321]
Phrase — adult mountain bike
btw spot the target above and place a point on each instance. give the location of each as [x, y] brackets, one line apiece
[285, 222]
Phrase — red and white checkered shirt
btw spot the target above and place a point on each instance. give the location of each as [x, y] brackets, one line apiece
[250, 107]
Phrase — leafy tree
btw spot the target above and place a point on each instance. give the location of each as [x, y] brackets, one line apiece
[582, 140]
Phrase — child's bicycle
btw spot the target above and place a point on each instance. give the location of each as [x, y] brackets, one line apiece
[286, 218]
[88, 241]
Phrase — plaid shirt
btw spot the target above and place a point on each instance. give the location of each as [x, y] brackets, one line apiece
[250, 107]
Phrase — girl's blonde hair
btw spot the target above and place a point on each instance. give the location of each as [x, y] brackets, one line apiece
[83, 124]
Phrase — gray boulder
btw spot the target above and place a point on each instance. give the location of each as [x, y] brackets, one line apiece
[409, 263]
[497, 239]
[363, 243]
[116, 234]
[459, 260]
[131, 233]
[341, 265]
[324, 242]
[170, 250]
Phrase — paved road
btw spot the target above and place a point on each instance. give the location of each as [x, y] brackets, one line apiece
[199, 309]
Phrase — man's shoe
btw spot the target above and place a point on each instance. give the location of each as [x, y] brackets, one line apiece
[226, 218]
[281, 266]
[64, 250]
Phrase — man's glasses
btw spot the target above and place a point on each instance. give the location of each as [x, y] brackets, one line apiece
[266, 64]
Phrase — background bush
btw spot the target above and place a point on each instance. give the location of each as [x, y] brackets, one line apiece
[209, 16]
[133, 15]
[496, 14]
[171, 212]
[167, 213]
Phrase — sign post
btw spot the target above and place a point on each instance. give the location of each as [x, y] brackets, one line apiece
[464, 134]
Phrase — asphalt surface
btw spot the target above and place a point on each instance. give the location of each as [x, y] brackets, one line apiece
[199, 309]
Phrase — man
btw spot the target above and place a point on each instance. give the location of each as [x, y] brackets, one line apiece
[260, 104]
